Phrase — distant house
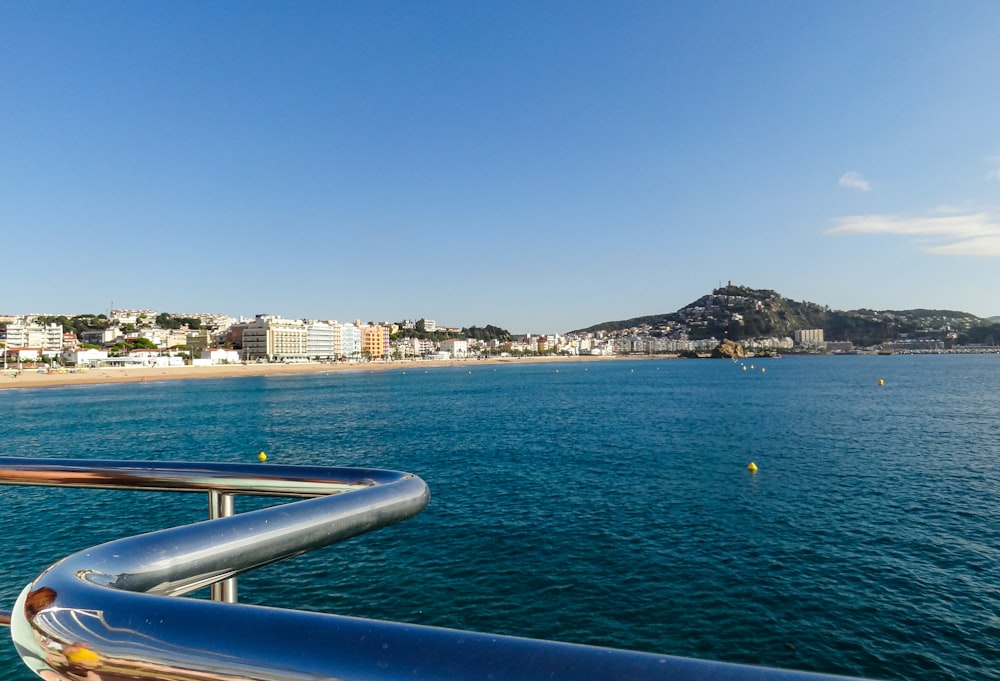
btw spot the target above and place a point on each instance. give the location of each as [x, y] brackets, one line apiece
[456, 347]
[23, 354]
[149, 358]
[100, 336]
[221, 356]
[84, 357]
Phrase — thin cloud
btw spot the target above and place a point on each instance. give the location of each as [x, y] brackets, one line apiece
[853, 180]
[974, 234]
[994, 174]
[947, 209]
[983, 245]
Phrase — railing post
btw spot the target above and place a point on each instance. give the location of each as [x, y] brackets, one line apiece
[221, 505]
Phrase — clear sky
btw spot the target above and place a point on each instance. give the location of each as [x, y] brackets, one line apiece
[542, 166]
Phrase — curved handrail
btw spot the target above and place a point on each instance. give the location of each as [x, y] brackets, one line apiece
[106, 612]
[177, 476]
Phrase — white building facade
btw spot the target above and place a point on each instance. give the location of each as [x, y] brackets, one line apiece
[275, 339]
[320, 341]
[810, 338]
[43, 337]
[456, 347]
[350, 341]
[220, 356]
[88, 357]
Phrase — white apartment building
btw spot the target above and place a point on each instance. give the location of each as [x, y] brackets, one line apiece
[350, 341]
[43, 337]
[338, 338]
[275, 339]
[418, 347]
[320, 341]
[810, 338]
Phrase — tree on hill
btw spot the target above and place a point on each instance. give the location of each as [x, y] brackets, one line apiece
[124, 347]
[165, 320]
[78, 324]
[984, 334]
[488, 333]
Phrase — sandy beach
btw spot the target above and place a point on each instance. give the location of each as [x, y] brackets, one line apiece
[33, 378]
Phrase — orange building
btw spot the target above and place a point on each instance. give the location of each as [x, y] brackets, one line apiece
[374, 340]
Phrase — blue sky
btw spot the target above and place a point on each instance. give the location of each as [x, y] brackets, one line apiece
[541, 166]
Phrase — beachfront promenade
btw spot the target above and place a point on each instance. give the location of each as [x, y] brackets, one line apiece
[33, 378]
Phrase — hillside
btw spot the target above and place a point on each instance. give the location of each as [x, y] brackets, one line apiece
[740, 312]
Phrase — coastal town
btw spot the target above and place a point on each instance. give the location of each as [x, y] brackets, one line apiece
[137, 338]
[146, 338]
[731, 321]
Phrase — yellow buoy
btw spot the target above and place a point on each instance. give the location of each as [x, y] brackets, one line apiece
[881, 382]
[752, 467]
[262, 457]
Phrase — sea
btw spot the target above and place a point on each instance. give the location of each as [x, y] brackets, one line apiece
[598, 502]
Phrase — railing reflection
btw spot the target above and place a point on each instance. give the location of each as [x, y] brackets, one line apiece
[106, 613]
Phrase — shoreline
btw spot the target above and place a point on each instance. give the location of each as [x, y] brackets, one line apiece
[11, 379]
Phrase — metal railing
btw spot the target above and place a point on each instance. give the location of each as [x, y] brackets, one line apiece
[107, 612]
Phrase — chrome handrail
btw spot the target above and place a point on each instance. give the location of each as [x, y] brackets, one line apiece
[106, 612]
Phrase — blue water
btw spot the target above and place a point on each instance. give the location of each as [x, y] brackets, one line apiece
[596, 502]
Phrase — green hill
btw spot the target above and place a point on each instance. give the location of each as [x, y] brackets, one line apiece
[740, 312]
